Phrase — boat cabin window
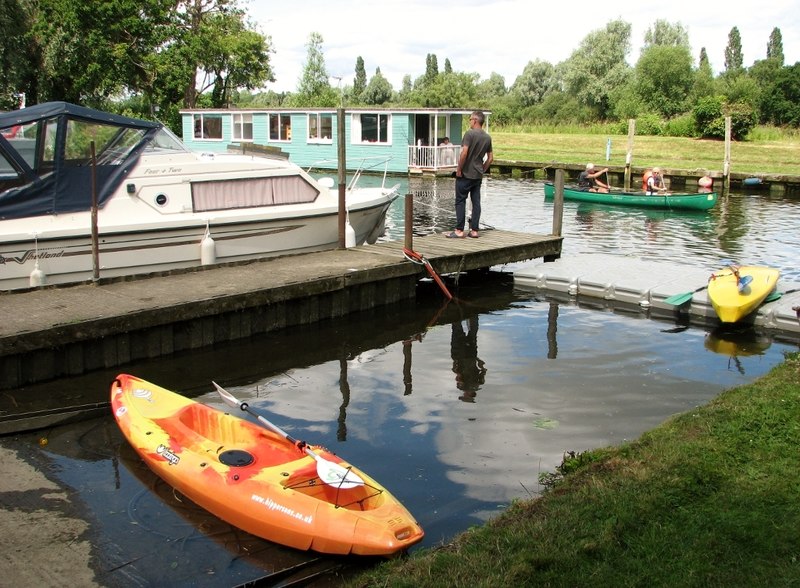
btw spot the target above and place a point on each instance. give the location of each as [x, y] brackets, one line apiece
[165, 140]
[320, 128]
[207, 126]
[243, 127]
[372, 128]
[9, 176]
[112, 144]
[251, 193]
[280, 127]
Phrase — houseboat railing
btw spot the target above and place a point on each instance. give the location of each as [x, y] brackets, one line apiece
[433, 157]
[364, 164]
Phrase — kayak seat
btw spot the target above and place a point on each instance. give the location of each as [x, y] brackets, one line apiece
[199, 426]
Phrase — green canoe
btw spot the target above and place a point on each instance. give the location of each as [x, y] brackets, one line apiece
[675, 201]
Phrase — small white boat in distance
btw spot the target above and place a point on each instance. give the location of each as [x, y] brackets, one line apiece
[159, 207]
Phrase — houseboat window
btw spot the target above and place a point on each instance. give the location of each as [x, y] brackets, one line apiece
[251, 192]
[207, 126]
[280, 127]
[320, 128]
[242, 127]
[372, 128]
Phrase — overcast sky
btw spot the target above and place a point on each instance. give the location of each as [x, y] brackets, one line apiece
[502, 36]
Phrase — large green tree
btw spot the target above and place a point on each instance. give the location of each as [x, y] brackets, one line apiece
[780, 103]
[664, 78]
[154, 51]
[360, 81]
[17, 55]
[666, 33]
[234, 57]
[775, 46]
[314, 87]
[536, 80]
[598, 66]
[734, 60]
[378, 90]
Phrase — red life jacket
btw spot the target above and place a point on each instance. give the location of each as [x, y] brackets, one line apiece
[646, 177]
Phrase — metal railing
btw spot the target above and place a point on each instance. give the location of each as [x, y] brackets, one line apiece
[443, 156]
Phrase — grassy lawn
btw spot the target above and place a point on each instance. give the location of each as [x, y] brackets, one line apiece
[709, 498]
[769, 155]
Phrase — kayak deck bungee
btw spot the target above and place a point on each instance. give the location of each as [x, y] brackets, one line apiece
[256, 479]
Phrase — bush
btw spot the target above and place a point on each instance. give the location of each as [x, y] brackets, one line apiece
[681, 126]
[649, 124]
[710, 112]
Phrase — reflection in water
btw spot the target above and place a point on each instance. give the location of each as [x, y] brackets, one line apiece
[469, 369]
[344, 388]
[736, 342]
[552, 329]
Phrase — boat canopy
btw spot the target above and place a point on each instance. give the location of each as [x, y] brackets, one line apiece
[46, 156]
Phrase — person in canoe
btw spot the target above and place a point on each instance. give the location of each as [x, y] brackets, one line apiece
[588, 182]
[654, 183]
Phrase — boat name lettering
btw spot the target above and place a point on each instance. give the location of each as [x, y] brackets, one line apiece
[168, 454]
[162, 171]
[31, 254]
[272, 505]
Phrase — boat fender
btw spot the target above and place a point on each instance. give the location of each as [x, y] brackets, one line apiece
[208, 249]
[37, 277]
[349, 234]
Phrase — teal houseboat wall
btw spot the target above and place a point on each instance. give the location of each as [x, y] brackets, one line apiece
[391, 155]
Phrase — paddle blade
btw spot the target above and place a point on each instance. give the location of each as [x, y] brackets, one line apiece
[229, 399]
[773, 296]
[678, 299]
[335, 475]
[744, 281]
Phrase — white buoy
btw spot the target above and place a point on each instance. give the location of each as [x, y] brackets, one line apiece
[208, 249]
[37, 277]
[349, 233]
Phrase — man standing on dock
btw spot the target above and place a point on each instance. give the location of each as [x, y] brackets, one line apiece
[474, 160]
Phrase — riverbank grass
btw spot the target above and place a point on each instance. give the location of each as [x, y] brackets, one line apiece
[709, 498]
[765, 154]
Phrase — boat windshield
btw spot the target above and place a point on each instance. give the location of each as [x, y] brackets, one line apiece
[166, 141]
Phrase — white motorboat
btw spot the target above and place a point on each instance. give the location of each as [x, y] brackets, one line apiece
[87, 194]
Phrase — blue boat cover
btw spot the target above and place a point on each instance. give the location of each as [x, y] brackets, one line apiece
[46, 162]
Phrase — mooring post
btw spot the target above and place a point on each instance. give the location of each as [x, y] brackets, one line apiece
[558, 203]
[629, 154]
[408, 233]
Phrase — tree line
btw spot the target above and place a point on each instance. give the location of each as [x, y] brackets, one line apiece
[149, 58]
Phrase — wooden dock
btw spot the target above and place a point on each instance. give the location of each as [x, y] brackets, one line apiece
[55, 332]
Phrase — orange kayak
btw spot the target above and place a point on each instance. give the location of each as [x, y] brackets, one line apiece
[257, 480]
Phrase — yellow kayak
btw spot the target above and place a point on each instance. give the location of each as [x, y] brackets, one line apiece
[737, 291]
[257, 479]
